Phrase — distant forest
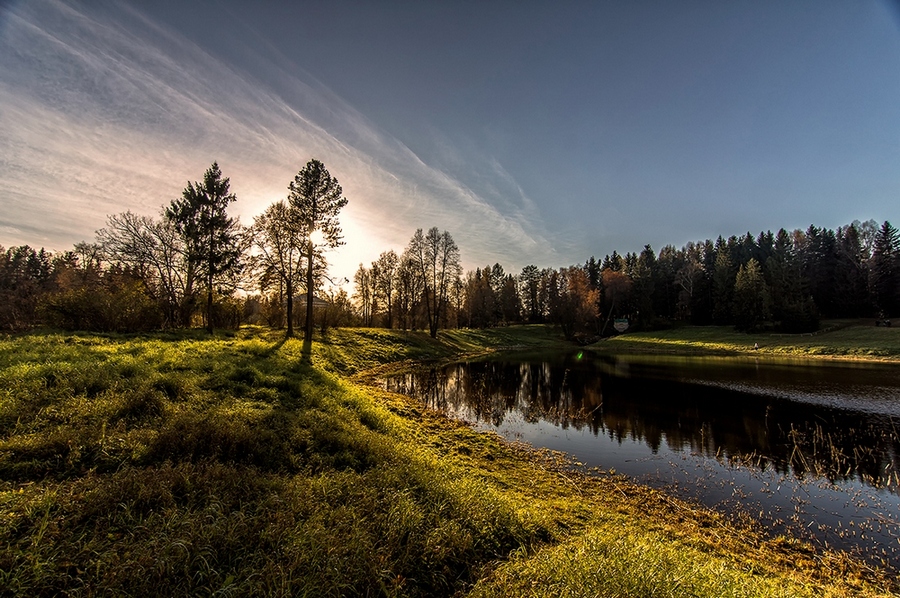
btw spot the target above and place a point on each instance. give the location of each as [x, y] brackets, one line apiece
[785, 281]
[195, 266]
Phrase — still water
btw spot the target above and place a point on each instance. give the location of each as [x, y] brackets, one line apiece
[807, 446]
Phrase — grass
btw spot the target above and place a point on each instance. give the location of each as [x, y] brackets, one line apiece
[236, 466]
[842, 339]
[628, 562]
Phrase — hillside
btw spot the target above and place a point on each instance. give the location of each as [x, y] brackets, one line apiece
[243, 465]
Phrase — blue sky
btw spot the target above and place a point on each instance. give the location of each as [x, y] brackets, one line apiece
[534, 132]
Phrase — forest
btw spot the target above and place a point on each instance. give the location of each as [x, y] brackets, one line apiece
[194, 265]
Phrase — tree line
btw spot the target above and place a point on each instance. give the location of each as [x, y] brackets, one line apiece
[786, 281]
[191, 265]
[196, 265]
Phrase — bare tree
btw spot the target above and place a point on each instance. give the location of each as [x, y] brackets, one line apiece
[385, 273]
[409, 292]
[278, 239]
[575, 304]
[436, 259]
[687, 278]
[362, 279]
[155, 252]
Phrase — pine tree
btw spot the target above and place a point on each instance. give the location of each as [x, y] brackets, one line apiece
[316, 198]
[884, 271]
[210, 235]
[751, 297]
[723, 284]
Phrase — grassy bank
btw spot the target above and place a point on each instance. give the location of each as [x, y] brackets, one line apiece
[843, 339]
[176, 464]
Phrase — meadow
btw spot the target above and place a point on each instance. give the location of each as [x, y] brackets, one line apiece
[243, 464]
[841, 339]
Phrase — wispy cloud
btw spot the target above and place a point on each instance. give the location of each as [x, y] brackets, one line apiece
[105, 111]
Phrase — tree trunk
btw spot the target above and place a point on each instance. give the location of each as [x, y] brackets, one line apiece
[209, 287]
[307, 333]
[428, 315]
[290, 310]
[434, 321]
[209, 303]
[608, 316]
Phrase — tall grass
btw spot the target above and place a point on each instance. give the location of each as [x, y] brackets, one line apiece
[633, 563]
[177, 464]
[202, 466]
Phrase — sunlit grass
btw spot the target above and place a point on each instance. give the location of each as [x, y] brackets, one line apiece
[242, 465]
[625, 561]
[850, 339]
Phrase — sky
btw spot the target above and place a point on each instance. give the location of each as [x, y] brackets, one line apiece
[534, 132]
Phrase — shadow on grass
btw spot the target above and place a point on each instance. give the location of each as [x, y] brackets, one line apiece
[274, 348]
[307, 351]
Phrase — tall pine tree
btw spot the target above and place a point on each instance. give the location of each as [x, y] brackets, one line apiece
[210, 235]
[316, 198]
[884, 271]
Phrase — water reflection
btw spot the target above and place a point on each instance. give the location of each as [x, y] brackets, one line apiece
[808, 446]
[666, 405]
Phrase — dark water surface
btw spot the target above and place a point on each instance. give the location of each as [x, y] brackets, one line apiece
[809, 446]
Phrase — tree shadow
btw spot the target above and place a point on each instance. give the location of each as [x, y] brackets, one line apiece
[274, 348]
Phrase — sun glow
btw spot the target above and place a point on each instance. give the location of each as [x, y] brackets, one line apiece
[317, 237]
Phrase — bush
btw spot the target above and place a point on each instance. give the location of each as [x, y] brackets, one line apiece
[800, 317]
[122, 309]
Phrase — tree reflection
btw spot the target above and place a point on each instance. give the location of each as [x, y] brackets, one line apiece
[618, 402]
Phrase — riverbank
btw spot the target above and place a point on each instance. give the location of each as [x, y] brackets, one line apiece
[243, 465]
[837, 339]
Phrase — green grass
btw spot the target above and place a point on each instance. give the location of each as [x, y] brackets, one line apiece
[629, 562]
[241, 465]
[846, 339]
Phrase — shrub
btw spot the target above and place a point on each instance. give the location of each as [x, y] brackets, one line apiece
[122, 309]
[798, 317]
